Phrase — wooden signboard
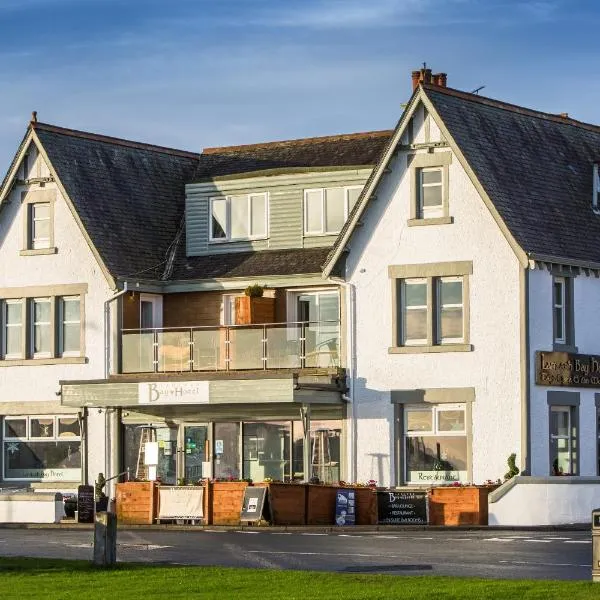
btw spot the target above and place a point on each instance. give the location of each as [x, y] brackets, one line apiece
[85, 504]
[254, 503]
[565, 369]
[345, 507]
[402, 507]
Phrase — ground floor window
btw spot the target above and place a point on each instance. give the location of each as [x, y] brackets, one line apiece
[256, 450]
[436, 444]
[563, 440]
[41, 448]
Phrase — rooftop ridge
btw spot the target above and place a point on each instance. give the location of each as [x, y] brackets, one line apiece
[299, 141]
[112, 140]
[556, 118]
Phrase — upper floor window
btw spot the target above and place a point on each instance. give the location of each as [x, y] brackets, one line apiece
[242, 217]
[48, 327]
[431, 307]
[38, 222]
[326, 209]
[562, 312]
[431, 197]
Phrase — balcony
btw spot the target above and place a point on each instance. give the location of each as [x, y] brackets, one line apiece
[242, 347]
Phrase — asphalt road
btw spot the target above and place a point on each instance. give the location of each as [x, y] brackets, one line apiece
[490, 554]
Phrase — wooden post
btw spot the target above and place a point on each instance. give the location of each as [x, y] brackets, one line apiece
[105, 539]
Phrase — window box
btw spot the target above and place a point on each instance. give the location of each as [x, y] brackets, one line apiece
[459, 505]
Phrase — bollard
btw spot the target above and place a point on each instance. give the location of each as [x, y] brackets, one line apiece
[596, 545]
[105, 539]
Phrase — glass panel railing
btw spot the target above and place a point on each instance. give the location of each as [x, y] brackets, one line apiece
[245, 348]
[322, 344]
[173, 350]
[209, 349]
[137, 352]
[283, 346]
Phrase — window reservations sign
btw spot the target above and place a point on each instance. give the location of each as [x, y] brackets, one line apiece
[435, 477]
[565, 369]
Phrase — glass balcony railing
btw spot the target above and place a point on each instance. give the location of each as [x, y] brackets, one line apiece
[235, 348]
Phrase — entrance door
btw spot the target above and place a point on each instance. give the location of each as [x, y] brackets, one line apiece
[195, 452]
[150, 311]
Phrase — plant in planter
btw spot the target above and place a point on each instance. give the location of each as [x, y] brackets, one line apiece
[513, 470]
[101, 497]
[254, 291]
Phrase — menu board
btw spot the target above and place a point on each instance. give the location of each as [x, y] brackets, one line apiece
[345, 507]
[253, 504]
[85, 504]
[402, 507]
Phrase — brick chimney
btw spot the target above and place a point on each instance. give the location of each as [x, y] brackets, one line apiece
[424, 75]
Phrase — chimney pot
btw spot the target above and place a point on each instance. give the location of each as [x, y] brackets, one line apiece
[416, 78]
[424, 75]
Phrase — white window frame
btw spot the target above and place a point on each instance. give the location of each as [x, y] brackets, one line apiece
[562, 307]
[430, 212]
[405, 309]
[43, 242]
[6, 325]
[438, 309]
[435, 409]
[34, 324]
[347, 209]
[228, 237]
[28, 438]
[61, 323]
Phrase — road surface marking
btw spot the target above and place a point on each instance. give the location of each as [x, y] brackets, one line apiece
[250, 532]
[578, 542]
[540, 564]
[539, 541]
[314, 534]
[321, 554]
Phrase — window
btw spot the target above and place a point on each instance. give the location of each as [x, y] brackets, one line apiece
[436, 448]
[562, 313]
[242, 217]
[431, 197]
[40, 225]
[42, 328]
[326, 210]
[42, 448]
[429, 183]
[431, 307]
[563, 440]
[13, 329]
[70, 326]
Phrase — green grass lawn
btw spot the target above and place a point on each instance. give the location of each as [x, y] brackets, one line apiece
[48, 579]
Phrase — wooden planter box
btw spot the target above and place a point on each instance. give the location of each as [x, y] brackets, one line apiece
[320, 504]
[366, 506]
[287, 503]
[137, 502]
[459, 505]
[252, 311]
[227, 498]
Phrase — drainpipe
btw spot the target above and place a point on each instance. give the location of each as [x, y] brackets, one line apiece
[351, 358]
[107, 346]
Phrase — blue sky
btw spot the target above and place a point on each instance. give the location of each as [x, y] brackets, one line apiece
[197, 73]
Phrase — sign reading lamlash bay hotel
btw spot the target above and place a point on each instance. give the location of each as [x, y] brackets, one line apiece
[564, 369]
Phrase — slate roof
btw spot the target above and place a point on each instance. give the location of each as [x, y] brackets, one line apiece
[535, 167]
[356, 149]
[130, 197]
[294, 261]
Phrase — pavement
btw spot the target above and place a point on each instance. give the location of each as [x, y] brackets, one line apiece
[489, 553]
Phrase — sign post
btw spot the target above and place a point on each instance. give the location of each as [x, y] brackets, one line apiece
[86, 502]
[345, 507]
[402, 507]
[253, 505]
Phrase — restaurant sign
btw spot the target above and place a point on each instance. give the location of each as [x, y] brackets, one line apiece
[173, 392]
[565, 369]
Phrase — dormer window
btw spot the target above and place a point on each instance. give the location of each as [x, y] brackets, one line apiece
[596, 188]
[242, 217]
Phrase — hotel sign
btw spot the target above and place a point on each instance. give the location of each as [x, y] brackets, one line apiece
[173, 392]
[570, 370]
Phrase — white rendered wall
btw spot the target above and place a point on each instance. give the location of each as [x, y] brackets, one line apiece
[493, 368]
[546, 501]
[74, 263]
[586, 296]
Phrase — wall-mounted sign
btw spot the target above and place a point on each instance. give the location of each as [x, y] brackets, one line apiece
[173, 392]
[564, 369]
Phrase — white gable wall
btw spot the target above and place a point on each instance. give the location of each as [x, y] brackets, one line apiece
[24, 387]
[492, 368]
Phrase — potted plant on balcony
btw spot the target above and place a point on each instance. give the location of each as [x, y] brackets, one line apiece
[253, 307]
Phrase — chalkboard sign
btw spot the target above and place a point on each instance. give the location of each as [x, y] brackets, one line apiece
[85, 504]
[345, 507]
[402, 507]
[253, 506]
